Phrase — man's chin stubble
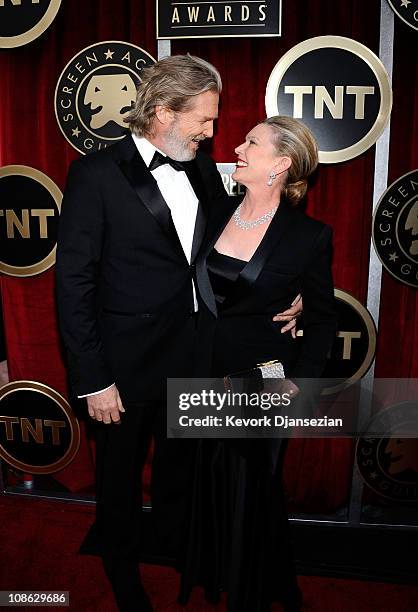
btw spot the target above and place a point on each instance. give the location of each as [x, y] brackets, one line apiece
[177, 149]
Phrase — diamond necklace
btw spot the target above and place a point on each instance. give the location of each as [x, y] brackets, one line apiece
[246, 225]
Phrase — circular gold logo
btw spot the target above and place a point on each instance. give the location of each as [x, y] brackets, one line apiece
[95, 92]
[21, 21]
[39, 433]
[338, 88]
[29, 213]
[407, 10]
[395, 229]
[389, 465]
[355, 345]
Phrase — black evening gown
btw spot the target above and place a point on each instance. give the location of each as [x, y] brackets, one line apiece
[239, 538]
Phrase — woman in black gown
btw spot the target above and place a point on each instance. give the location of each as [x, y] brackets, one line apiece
[261, 255]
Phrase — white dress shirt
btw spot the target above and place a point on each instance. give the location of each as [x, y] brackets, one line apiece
[178, 193]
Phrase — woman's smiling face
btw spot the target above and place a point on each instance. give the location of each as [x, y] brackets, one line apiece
[257, 157]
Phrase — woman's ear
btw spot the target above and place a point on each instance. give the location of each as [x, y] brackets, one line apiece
[283, 164]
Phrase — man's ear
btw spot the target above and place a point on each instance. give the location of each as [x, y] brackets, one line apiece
[163, 114]
[283, 164]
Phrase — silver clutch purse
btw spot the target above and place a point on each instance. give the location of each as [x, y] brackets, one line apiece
[252, 380]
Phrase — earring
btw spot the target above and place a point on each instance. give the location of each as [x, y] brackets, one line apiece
[272, 176]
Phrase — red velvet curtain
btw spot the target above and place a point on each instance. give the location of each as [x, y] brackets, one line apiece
[397, 354]
[318, 472]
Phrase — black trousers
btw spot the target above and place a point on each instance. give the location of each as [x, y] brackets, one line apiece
[121, 451]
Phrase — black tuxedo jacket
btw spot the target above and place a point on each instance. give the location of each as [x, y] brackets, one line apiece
[124, 289]
[293, 257]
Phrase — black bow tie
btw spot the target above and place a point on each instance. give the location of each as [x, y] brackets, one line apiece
[159, 160]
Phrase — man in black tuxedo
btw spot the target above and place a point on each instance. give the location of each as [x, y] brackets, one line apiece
[133, 309]
[131, 225]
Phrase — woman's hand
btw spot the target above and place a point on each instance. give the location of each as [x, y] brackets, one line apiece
[290, 315]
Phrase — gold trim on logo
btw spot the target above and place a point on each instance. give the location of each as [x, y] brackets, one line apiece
[364, 314]
[400, 16]
[9, 42]
[373, 472]
[51, 187]
[376, 210]
[30, 385]
[361, 51]
[102, 42]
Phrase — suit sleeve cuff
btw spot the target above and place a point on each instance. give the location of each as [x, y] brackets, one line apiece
[95, 392]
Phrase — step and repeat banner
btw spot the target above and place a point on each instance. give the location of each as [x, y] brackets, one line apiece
[68, 78]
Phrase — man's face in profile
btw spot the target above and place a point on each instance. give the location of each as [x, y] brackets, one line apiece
[190, 127]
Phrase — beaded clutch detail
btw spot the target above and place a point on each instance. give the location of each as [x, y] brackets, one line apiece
[253, 378]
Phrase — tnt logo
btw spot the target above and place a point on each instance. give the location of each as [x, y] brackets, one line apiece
[21, 21]
[32, 430]
[339, 88]
[355, 344]
[333, 102]
[29, 212]
[39, 433]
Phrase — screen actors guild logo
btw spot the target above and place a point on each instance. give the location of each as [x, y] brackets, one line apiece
[21, 21]
[389, 465]
[407, 10]
[96, 91]
[30, 205]
[109, 97]
[39, 433]
[395, 229]
[339, 88]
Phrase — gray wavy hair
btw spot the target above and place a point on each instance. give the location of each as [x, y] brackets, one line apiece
[172, 82]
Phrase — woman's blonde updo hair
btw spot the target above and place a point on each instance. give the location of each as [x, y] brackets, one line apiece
[293, 139]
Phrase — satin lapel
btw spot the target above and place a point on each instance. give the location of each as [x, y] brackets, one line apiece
[140, 178]
[271, 239]
[196, 181]
[220, 221]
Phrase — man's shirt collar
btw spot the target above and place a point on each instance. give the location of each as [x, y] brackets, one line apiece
[145, 148]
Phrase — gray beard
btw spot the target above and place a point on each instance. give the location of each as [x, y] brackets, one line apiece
[177, 149]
